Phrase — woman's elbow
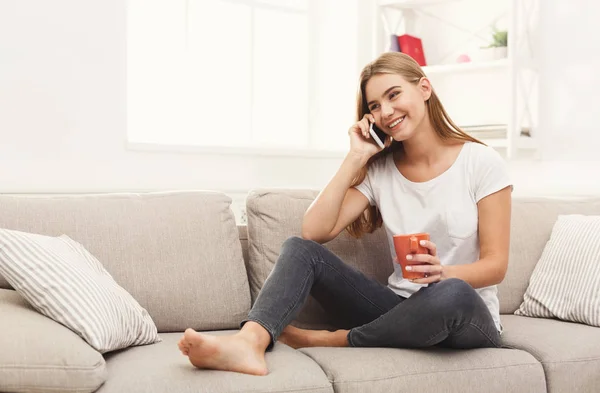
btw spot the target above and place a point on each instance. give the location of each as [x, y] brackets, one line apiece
[501, 269]
[307, 235]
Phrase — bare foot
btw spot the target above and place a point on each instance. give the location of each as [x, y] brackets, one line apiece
[303, 338]
[238, 352]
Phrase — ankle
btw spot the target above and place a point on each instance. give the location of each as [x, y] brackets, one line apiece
[340, 338]
[319, 338]
[256, 333]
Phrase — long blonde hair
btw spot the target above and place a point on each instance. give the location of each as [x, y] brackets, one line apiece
[444, 127]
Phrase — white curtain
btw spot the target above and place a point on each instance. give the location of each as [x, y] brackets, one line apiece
[569, 99]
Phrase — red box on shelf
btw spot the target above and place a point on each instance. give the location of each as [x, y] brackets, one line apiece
[413, 47]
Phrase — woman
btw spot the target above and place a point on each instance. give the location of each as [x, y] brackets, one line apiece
[430, 177]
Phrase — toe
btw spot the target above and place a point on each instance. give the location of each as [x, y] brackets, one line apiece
[188, 331]
[190, 336]
[184, 346]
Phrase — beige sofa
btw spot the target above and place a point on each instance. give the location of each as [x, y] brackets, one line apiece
[181, 255]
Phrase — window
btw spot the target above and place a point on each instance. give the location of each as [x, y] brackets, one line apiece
[241, 73]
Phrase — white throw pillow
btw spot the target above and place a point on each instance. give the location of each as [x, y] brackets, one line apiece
[66, 283]
[565, 283]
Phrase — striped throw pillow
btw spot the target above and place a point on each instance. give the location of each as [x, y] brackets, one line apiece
[66, 283]
[565, 283]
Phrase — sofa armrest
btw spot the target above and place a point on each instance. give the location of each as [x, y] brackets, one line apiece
[40, 355]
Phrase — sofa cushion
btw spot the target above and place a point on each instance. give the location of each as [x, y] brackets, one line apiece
[177, 253]
[358, 370]
[162, 368]
[565, 283]
[274, 215]
[63, 281]
[40, 355]
[569, 352]
[531, 225]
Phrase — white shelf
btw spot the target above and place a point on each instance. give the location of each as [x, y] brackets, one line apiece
[504, 73]
[410, 4]
[466, 67]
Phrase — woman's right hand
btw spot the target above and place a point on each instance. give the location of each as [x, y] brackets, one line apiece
[361, 142]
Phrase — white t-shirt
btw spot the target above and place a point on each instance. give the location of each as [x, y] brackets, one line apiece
[445, 207]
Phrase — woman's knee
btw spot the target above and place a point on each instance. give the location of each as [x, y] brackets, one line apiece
[294, 241]
[296, 246]
[297, 242]
[308, 251]
[452, 286]
[457, 295]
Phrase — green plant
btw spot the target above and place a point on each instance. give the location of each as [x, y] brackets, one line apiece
[499, 38]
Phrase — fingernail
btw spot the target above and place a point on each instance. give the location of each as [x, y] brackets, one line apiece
[422, 242]
[409, 257]
[409, 268]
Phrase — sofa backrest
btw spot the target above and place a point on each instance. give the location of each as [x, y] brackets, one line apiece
[182, 257]
[532, 221]
[276, 214]
[177, 253]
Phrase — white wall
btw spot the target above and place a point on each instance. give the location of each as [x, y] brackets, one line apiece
[569, 81]
[63, 116]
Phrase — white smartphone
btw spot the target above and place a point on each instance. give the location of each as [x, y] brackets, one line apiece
[378, 136]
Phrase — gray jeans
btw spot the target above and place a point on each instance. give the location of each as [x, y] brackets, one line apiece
[448, 313]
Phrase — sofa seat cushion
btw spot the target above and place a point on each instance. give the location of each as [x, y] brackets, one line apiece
[569, 352]
[39, 355]
[358, 370]
[161, 368]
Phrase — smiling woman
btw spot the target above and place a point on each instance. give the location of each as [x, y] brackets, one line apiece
[240, 73]
[426, 170]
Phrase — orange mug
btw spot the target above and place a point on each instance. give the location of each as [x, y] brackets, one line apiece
[410, 244]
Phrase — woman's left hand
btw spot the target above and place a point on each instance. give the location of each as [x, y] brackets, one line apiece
[433, 269]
